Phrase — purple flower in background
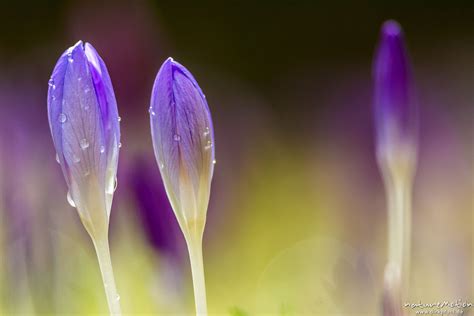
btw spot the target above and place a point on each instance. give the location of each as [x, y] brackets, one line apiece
[154, 208]
[396, 112]
[84, 124]
[183, 141]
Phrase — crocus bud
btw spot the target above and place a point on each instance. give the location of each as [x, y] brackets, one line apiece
[84, 124]
[183, 141]
[396, 113]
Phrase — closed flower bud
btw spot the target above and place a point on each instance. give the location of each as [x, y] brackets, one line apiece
[183, 141]
[84, 124]
[396, 112]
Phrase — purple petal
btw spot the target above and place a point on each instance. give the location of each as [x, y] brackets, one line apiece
[394, 99]
[183, 136]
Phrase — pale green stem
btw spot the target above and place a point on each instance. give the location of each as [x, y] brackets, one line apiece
[399, 225]
[197, 269]
[101, 245]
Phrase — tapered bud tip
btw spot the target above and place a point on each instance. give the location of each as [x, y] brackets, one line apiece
[92, 57]
[391, 28]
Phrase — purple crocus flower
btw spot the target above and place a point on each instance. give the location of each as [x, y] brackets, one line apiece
[396, 112]
[183, 141]
[84, 124]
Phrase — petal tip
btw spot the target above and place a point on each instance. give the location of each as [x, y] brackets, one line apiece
[391, 28]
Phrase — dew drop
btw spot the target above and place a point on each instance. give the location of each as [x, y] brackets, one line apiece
[119, 145]
[208, 145]
[111, 188]
[117, 297]
[76, 159]
[206, 132]
[176, 138]
[119, 119]
[150, 110]
[70, 200]
[214, 162]
[51, 83]
[69, 57]
[57, 158]
[162, 165]
[62, 118]
[87, 90]
[102, 149]
[84, 144]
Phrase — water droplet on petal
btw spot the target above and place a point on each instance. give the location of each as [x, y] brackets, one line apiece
[51, 83]
[206, 131]
[69, 57]
[119, 119]
[162, 165]
[176, 138]
[150, 110]
[84, 144]
[208, 145]
[62, 118]
[102, 149]
[76, 159]
[117, 297]
[119, 145]
[214, 162]
[87, 90]
[57, 158]
[70, 200]
[112, 187]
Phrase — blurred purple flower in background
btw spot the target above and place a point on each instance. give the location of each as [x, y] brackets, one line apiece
[396, 112]
[154, 209]
[396, 123]
[84, 123]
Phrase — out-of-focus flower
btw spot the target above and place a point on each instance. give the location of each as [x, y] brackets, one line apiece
[154, 208]
[396, 122]
[396, 112]
[84, 124]
[183, 141]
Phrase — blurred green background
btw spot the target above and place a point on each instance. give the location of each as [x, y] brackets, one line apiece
[297, 219]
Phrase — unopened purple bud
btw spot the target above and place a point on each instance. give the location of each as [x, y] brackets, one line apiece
[396, 112]
[84, 124]
[183, 141]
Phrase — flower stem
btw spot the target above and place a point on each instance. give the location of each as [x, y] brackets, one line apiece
[197, 270]
[103, 255]
[399, 229]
